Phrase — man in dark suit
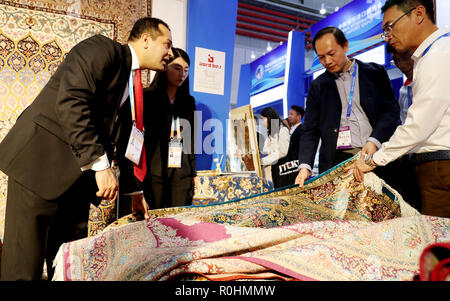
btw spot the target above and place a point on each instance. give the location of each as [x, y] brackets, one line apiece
[350, 108]
[58, 153]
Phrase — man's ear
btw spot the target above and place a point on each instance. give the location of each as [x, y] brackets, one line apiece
[146, 40]
[419, 14]
[346, 47]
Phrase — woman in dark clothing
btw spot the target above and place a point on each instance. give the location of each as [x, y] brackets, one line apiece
[169, 119]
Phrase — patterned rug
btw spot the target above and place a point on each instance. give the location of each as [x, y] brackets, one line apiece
[332, 229]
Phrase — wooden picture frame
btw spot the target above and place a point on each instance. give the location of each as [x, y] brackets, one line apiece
[242, 154]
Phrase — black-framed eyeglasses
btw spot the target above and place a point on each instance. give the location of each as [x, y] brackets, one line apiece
[388, 29]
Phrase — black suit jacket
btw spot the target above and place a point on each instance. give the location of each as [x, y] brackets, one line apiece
[323, 112]
[157, 121]
[71, 122]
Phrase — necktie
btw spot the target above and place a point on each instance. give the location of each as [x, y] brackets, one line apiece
[141, 169]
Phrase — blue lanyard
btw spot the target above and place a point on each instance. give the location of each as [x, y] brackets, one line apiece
[352, 91]
[408, 88]
[131, 92]
[428, 48]
[177, 125]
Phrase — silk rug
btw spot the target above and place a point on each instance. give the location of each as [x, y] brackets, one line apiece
[331, 229]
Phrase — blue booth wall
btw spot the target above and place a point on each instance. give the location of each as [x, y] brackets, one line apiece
[211, 25]
[293, 77]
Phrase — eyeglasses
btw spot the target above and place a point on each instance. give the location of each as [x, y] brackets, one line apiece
[388, 29]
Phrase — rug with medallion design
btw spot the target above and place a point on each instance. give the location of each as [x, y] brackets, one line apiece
[333, 228]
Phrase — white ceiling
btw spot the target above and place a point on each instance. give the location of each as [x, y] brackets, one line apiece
[310, 6]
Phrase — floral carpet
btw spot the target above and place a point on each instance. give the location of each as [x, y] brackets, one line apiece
[333, 228]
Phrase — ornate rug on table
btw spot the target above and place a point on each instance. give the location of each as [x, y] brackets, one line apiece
[332, 229]
[212, 189]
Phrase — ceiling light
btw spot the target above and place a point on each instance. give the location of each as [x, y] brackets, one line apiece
[322, 9]
[337, 8]
[253, 56]
[269, 48]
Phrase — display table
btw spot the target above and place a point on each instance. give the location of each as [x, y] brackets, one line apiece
[210, 188]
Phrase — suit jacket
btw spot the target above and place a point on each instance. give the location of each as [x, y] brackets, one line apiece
[294, 143]
[71, 122]
[323, 112]
[157, 122]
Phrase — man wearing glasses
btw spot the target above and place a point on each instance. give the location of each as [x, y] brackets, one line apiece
[410, 25]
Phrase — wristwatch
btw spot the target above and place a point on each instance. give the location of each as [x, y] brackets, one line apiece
[368, 161]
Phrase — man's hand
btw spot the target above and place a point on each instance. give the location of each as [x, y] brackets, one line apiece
[369, 148]
[360, 168]
[302, 176]
[108, 186]
[139, 205]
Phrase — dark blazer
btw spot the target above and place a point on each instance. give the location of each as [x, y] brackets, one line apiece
[71, 122]
[157, 122]
[294, 142]
[323, 112]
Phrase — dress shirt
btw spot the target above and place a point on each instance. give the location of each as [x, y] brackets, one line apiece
[293, 128]
[427, 124]
[102, 162]
[360, 128]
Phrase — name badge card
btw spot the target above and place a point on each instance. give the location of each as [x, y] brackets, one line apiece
[175, 151]
[344, 138]
[134, 147]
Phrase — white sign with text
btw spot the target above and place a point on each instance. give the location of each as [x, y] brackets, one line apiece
[209, 74]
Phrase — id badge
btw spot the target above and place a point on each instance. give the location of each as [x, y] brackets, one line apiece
[345, 138]
[175, 150]
[134, 147]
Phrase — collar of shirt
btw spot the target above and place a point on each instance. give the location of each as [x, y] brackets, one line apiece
[427, 42]
[350, 70]
[294, 127]
[134, 59]
[134, 66]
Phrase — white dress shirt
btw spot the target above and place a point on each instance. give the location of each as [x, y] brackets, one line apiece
[293, 128]
[102, 162]
[427, 124]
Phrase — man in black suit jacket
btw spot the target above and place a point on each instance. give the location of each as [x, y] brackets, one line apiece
[373, 119]
[58, 153]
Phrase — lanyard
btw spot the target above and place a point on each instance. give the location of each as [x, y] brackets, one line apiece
[408, 88]
[175, 124]
[428, 48]
[131, 92]
[352, 91]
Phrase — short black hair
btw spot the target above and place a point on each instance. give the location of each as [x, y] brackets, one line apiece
[337, 33]
[146, 25]
[406, 5]
[298, 109]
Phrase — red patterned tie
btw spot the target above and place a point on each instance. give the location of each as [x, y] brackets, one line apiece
[141, 169]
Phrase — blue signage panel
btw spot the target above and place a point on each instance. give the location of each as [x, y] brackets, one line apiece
[361, 22]
[268, 71]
